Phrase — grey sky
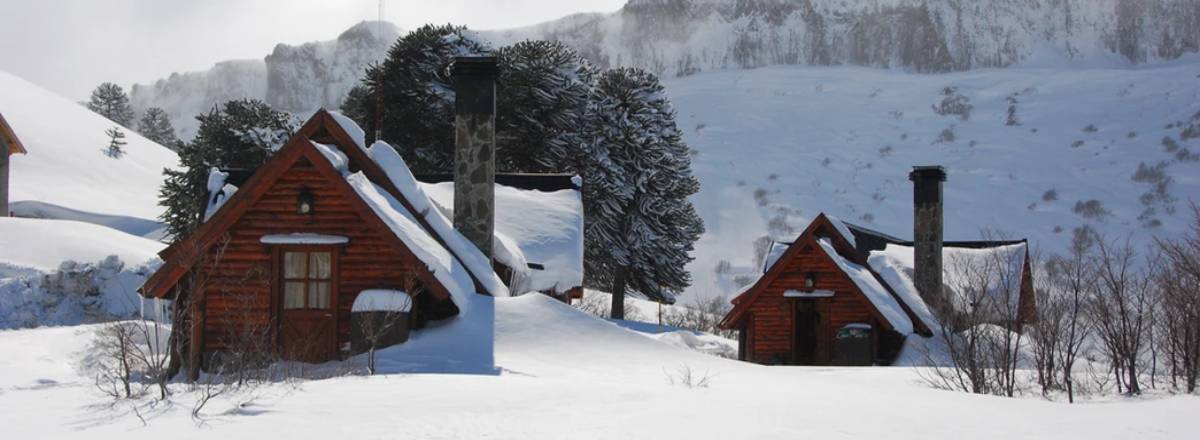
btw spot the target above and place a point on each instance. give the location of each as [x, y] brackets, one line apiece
[70, 46]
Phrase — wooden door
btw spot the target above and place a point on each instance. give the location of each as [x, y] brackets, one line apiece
[806, 324]
[308, 290]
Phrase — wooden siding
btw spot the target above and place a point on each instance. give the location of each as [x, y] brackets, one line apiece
[238, 294]
[771, 323]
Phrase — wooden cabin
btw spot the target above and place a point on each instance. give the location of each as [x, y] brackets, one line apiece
[841, 294]
[817, 288]
[286, 255]
[9, 146]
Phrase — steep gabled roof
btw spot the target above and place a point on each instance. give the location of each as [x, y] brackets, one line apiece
[324, 130]
[829, 234]
[10, 137]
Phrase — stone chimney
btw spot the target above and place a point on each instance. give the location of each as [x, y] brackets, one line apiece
[927, 231]
[475, 149]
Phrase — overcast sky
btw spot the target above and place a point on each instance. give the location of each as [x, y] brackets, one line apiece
[70, 46]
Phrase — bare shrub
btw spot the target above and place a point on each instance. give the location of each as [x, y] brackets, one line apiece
[1090, 209]
[1120, 308]
[688, 378]
[701, 315]
[1061, 331]
[1077, 144]
[1012, 119]
[1050, 195]
[954, 104]
[1091, 128]
[1178, 283]
[947, 136]
[723, 267]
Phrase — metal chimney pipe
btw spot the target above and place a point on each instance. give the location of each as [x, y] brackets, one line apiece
[475, 149]
[927, 230]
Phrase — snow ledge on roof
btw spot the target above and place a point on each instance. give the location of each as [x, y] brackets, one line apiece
[303, 238]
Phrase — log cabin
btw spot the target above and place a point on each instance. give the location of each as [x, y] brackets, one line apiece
[287, 255]
[9, 145]
[842, 294]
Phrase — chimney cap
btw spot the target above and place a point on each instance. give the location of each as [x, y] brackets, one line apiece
[475, 66]
[928, 172]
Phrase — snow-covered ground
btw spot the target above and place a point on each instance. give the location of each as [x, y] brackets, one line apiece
[775, 146]
[562, 374]
[67, 173]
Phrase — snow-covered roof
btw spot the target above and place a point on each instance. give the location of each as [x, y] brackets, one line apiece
[964, 271]
[401, 177]
[382, 300]
[875, 292]
[542, 227]
[218, 191]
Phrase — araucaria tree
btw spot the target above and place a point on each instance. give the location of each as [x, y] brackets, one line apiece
[542, 101]
[412, 95]
[109, 100]
[156, 126]
[240, 135]
[640, 225]
[116, 143]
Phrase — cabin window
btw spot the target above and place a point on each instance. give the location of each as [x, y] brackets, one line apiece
[306, 279]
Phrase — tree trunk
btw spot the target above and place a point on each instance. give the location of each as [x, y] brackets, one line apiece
[618, 293]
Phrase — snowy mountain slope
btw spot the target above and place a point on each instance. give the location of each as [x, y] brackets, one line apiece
[298, 79]
[776, 146]
[681, 37]
[67, 165]
[563, 375]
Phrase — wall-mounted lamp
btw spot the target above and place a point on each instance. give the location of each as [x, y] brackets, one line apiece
[304, 202]
[810, 281]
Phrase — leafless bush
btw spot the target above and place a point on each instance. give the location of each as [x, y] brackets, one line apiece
[1012, 119]
[980, 325]
[688, 378]
[700, 314]
[599, 304]
[1061, 331]
[954, 103]
[1090, 209]
[1120, 309]
[114, 361]
[1091, 128]
[1178, 282]
[723, 267]
[1050, 195]
[947, 136]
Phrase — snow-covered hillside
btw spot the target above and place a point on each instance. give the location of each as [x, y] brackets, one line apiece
[683, 37]
[67, 173]
[562, 374]
[773, 147]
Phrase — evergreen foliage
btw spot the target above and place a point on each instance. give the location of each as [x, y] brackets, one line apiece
[542, 97]
[555, 113]
[109, 100]
[417, 93]
[239, 134]
[116, 142]
[156, 126]
[640, 224]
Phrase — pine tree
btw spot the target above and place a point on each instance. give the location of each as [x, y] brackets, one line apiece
[641, 227]
[542, 99]
[414, 86]
[239, 134]
[156, 126]
[109, 100]
[116, 142]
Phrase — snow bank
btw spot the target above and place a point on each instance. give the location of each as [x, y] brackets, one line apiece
[67, 166]
[43, 245]
[381, 300]
[57, 272]
[219, 192]
[870, 287]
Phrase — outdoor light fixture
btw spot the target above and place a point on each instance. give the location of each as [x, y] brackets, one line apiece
[304, 202]
[810, 280]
